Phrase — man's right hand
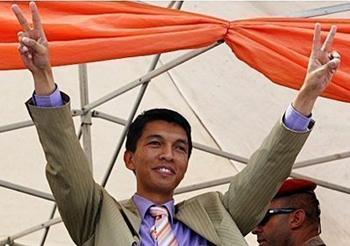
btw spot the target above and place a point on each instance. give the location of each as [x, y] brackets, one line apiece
[33, 49]
[323, 64]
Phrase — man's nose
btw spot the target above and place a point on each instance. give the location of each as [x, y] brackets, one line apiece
[257, 230]
[167, 152]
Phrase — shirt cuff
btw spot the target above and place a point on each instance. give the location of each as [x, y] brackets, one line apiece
[53, 100]
[296, 121]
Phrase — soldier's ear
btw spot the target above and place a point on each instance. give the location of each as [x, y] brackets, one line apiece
[297, 218]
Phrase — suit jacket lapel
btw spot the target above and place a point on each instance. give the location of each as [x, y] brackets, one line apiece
[192, 214]
[130, 210]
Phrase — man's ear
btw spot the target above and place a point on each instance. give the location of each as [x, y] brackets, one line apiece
[297, 218]
[129, 160]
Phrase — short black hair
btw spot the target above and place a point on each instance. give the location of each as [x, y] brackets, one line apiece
[137, 126]
[308, 202]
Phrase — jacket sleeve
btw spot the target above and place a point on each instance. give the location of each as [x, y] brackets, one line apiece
[77, 195]
[251, 190]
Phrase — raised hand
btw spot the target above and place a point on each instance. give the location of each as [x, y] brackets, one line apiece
[323, 63]
[33, 49]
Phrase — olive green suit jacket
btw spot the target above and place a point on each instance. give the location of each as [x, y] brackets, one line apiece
[93, 217]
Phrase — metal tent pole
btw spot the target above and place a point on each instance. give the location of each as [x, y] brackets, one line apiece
[128, 122]
[171, 4]
[15, 126]
[149, 76]
[227, 180]
[322, 11]
[26, 190]
[108, 117]
[179, 4]
[28, 231]
[322, 183]
[27, 123]
[86, 117]
[319, 160]
[46, 232]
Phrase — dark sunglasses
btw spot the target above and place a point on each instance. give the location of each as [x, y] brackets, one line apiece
[275, 211]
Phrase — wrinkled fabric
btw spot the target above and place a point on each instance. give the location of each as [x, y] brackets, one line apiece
[95, 31]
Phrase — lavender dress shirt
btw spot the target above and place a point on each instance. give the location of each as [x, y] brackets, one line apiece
[183, 234]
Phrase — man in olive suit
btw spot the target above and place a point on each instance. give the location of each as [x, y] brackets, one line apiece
[157, 151]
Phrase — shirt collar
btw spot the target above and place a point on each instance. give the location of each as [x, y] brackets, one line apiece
[143, 204]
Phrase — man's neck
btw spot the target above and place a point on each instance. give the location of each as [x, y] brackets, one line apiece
[156, 198]
[303, 236]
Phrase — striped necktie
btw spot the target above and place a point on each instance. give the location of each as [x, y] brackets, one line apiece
[161, 231]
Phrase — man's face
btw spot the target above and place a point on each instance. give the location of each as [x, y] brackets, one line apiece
[276, 231]
[160, 159]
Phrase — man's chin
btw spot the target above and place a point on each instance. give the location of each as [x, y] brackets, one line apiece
[262, 243]
[168, 183]
[163, 187]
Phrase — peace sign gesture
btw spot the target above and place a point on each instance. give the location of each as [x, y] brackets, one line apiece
[33, 49]
[323, 63]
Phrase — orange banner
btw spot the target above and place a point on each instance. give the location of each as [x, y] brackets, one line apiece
[95, 31]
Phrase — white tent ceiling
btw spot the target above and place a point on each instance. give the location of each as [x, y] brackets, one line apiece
[230, 106]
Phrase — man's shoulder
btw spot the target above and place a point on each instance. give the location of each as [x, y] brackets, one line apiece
[206, 199]
[315, 241]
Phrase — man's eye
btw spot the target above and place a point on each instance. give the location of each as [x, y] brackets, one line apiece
[154, 143]
[181, 148]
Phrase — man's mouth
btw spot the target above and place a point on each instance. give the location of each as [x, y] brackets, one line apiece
[165, 170]
[261, 241]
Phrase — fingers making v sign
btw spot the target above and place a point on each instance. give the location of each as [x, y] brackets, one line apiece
[323, 63]
[33, 49]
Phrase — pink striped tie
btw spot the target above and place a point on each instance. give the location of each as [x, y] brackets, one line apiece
[161, 231]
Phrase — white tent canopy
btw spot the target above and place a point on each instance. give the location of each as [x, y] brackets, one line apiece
[231, 108]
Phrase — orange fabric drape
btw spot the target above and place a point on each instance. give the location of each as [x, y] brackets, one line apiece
[95, 31]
